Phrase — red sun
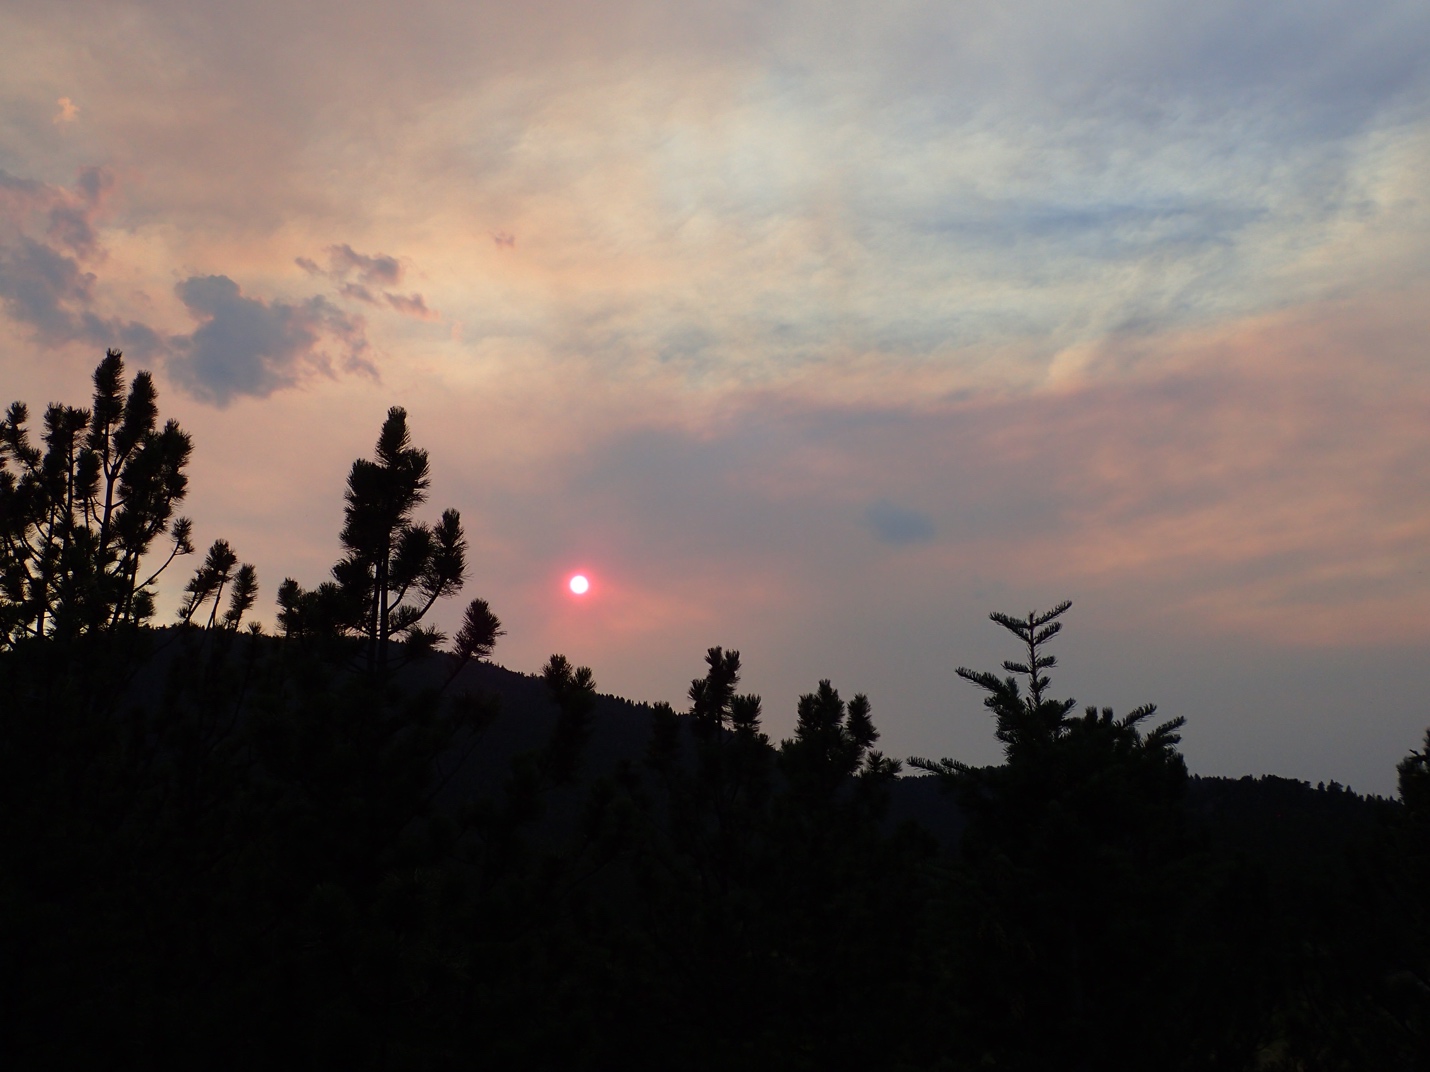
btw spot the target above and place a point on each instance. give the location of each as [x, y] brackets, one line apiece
[579, 584]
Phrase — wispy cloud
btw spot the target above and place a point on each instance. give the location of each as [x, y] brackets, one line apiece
[362, 276]
[373, 270]
[411, 305]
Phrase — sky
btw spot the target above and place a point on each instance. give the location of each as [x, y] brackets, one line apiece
[814, 330]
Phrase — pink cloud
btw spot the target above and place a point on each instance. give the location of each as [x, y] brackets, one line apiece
[362, 277]
[358, 292]
[411, 305]
[377, 269]
[1267, 477]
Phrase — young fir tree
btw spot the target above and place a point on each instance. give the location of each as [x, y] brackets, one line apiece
[1036, 729]
[1072, 844]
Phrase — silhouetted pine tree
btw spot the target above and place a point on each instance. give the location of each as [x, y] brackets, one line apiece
[208, 583]
[833, 745]
[395, 568]
[78, 516]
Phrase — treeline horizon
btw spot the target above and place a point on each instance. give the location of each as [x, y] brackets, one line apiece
[223, 847]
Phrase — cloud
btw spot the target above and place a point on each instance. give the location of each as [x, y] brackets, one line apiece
[358, 292]
[246, 346]
[64, 217]
[1263, 481]
[49, 247]
[344, 262]
[897, 525]
[72, 219]
[45, 288]
[373, 273]
[48, 241]
[411, 305]
[902, 184]
[376, 270]
[68, 113]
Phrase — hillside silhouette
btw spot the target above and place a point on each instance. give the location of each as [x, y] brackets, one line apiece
[359, 843]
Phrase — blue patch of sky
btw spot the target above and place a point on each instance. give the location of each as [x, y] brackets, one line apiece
[1105, 231]
[898, 525]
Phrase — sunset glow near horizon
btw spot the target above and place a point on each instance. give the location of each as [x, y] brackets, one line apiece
[826, 330]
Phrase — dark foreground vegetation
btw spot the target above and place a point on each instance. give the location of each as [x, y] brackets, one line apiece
[345, 847]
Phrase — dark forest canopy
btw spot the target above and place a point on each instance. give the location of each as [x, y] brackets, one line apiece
[346, 846]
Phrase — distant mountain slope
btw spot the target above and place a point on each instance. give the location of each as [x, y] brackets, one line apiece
[1269, 818]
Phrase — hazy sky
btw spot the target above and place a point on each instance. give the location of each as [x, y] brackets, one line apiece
[817, 330]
